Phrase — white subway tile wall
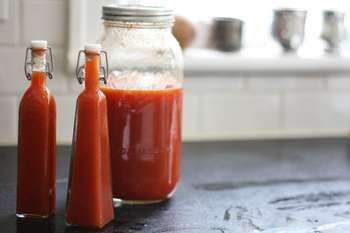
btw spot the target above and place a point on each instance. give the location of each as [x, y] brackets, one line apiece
[60, 84]
[45, 19]
[8, 119]
[214, 84]
[12, 79]
[65, 117]
[237, 112]
[316, 111]
[215, 107]
[10, 28]
[341, 83]
[287, 83]
[190, 113]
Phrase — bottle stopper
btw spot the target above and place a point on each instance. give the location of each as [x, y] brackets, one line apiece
[93, 48]
[38, 44]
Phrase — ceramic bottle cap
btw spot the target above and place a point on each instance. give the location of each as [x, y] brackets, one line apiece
[38, 44]
[95, 48]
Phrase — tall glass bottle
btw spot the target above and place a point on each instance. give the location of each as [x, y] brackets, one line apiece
[36, 195]
[89, 201]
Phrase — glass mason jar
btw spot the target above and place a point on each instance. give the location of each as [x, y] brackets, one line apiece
[144, 96]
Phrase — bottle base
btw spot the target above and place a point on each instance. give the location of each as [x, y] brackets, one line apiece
[90, 227]
[117, 202]
[35, 216]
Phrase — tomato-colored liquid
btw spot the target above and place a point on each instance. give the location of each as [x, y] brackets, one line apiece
[36, 193]
[90, 187]
[145, 137]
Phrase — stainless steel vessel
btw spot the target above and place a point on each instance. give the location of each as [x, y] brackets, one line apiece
[288, 28]
[226, 34]
[333, 31]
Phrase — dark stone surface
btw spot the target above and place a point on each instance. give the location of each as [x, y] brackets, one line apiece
[291, 186]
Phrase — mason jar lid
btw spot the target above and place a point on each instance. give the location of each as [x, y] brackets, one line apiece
[137, 13]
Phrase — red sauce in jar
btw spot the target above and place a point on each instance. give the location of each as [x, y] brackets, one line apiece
[89, 201]
[145, 137]
[36, 193]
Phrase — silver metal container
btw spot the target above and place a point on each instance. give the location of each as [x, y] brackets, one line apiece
[226, 34]
[333, 30]
[288, 28]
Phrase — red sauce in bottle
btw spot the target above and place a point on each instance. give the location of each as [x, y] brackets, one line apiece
[89, 201]
[145, 136]
[36, 149]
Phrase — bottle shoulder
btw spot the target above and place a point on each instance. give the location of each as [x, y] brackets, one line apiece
[91, 94]
[95, 96]
[36, 95]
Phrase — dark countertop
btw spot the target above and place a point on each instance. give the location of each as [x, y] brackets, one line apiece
[290, 186]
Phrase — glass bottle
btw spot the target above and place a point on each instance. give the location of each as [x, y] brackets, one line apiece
[144, 96]
[89, 198]
[36, 192]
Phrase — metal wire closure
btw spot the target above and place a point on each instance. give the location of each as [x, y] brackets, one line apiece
[49, 64]
[28, 64]
[80, 70]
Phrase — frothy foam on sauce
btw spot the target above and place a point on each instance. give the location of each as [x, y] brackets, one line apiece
[141, 81]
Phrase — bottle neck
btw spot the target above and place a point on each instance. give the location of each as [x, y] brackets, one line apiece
[39, 60]
[39, 68]
[92, 71]
[38, 79]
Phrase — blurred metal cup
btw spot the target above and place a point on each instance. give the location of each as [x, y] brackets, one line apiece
[226, 34]
[288, 28]
[333, 31]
